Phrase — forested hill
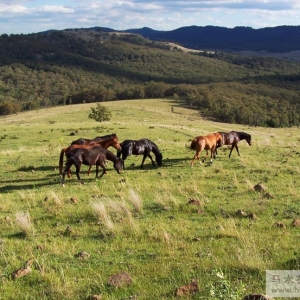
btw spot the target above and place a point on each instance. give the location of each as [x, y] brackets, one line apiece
[92, 65]
[271, 39]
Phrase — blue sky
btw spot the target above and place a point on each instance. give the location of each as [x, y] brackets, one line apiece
[30, 16]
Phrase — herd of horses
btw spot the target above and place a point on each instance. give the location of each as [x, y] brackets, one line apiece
[94, 152]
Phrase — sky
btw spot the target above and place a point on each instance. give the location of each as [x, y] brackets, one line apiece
[32, 16]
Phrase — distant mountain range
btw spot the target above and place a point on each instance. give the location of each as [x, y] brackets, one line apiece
[270, 39]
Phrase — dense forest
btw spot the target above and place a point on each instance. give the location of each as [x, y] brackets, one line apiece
[81, 66]
[272, 39]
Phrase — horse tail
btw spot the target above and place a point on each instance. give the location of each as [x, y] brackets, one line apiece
[193, 143]
[61, 160]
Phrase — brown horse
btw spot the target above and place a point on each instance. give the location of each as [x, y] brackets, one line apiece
[105, 142]
[96, 155]
[84, 141]
[232, 138]
[208, 142]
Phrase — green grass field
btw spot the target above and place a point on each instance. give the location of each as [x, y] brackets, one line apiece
[139, 221]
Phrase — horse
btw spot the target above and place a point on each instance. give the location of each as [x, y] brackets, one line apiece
[96, 155]
[105, 141]
[208, 142]
[232, 138]
[140, 147]
[84, 141]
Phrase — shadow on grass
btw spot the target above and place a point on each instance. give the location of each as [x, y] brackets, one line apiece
[19, 184]
[292, 264]
[32, 168]
[168, 162]
[17, 235]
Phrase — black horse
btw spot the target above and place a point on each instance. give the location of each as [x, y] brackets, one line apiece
[96, 155]
[140, 147]
[232, 138]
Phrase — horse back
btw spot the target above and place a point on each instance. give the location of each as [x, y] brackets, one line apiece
[211, 140]
[198, 143]
[230, 138]
[93, 155]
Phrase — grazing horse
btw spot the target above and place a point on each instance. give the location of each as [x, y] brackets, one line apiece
[232, 138]
[96, 155]
[140, 147]
[105, 142]
[208, 142]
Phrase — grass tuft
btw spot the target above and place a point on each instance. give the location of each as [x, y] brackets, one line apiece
[101, 212]
[24, 222]
[135, 199]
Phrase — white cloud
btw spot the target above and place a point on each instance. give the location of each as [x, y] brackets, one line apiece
[12, 9]
[20, 16]
[54, 9]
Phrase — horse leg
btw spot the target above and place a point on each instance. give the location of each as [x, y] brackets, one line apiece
[63, 178]
[123, 160]
[97, 170]
[212, 151]
[101, 164]
[231, 150]
[237, 149]
[78, 173]
[204, 159]
[151, 160]
[89, 170]
[66, 170]
[143, 160]
[196, 156]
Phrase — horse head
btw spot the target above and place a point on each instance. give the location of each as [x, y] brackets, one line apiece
[118, 165]
[116, 144]
[158, 158]
[249, 140]
[219, 139]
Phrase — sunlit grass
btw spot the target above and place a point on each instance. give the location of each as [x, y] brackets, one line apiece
[141, 221]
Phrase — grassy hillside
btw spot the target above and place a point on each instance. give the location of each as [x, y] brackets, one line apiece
[140, 222]
[82, 66]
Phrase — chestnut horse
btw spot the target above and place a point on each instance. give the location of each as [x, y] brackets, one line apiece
[96, 155]
[84, 141]
[105, 141]
[232, 138]
[208, 142]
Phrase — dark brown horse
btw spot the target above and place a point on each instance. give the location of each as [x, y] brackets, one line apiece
[208, 142]
[232, 138]
[140, 147]
[105, 142]
[96, 155]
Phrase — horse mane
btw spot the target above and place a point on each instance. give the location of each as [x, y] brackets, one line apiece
[106, 137]
[155, 148]
[245, 134]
